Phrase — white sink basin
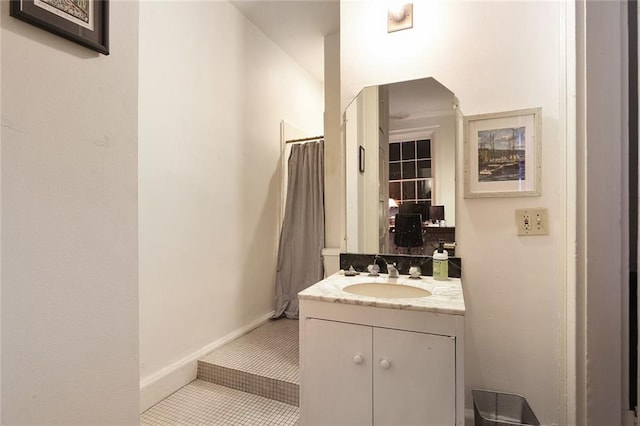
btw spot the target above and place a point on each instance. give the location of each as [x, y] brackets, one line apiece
[387, 291]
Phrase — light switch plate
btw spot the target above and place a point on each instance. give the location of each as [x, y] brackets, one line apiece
[532, 221]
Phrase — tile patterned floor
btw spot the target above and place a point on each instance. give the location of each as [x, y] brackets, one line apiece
[260, 374]
[204, 403]
[270, 350]
[263, 362]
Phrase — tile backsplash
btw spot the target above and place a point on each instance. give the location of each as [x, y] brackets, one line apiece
[360, 262]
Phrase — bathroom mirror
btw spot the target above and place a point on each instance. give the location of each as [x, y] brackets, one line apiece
[400, 141]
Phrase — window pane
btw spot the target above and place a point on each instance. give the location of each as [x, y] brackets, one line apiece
[424, 188]
[394, 171]
[408, 150]
[394, 151]
[394, 191]
[408, 190]
[424, 148]
[408, 169]
[424, 168]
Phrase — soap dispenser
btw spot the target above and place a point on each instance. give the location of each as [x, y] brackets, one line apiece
[440, 263]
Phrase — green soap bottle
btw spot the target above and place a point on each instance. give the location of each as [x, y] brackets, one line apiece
[440, 263]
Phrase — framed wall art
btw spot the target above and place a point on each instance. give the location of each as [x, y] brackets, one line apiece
[502, 154]
[85, 22]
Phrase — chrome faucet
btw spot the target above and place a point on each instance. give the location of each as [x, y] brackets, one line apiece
[392, 270]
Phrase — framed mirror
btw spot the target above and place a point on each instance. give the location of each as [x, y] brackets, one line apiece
[404, 201]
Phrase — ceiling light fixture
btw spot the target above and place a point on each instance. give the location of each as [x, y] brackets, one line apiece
[399, 17]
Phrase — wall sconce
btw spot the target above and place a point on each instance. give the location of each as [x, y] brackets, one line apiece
[400, 17]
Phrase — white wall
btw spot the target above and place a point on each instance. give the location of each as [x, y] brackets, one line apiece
[69, 225]
[334, 148]
[213, 91]
[362, 129]
[494, 57]
[334, 199]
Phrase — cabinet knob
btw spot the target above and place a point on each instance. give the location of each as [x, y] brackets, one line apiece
[357, 359]
[385, 364]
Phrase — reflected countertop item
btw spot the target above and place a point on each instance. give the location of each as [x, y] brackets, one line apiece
[446, 296]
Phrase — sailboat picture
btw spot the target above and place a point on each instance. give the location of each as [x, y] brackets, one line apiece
[501, 154]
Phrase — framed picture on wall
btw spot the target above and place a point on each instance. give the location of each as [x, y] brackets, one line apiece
[85, 22]
[502, 154]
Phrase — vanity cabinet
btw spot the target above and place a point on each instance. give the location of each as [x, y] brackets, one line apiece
[336, 374]
[381, 359]
[362, 375]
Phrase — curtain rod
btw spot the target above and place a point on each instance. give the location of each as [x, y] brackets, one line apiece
[315, 138]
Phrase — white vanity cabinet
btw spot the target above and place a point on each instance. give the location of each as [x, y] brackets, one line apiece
[414, 378]
[363, 375]
[337, 374]
[374, 361]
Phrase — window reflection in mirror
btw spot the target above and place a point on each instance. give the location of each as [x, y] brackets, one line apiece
[410, 129]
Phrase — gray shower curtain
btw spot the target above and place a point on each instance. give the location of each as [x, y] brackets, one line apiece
[302, 238]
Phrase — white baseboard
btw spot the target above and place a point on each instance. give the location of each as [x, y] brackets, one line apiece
[163, 383]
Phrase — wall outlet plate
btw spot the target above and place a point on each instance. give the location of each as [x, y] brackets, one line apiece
[532, 221]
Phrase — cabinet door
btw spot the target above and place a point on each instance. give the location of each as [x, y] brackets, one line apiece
[336, 378]
[414, 378]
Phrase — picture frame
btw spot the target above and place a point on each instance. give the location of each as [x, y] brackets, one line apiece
[502, 154]
[361, 153]
[85, 22]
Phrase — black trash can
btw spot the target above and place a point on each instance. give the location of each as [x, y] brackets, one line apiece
[501, 409]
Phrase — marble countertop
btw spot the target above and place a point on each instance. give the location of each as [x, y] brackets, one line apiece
[446, 296]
